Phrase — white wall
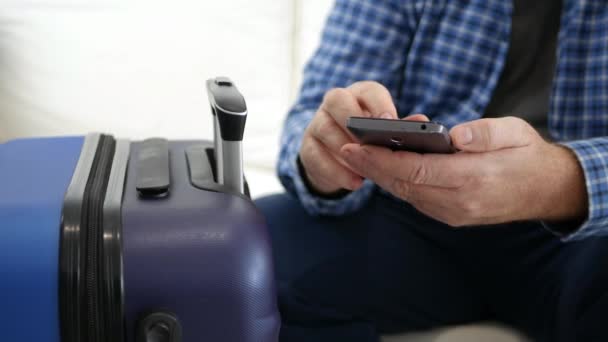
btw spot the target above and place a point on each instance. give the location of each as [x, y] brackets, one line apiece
[137, 68]
[311, 19]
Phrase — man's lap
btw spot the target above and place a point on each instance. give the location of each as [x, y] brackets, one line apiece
[388, 268]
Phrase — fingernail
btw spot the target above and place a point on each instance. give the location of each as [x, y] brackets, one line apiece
[386, 116]
[464, 135]
[346, 153]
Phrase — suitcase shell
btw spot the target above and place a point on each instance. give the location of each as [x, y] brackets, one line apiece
[208, 251]
[86, 255]
[34, 176]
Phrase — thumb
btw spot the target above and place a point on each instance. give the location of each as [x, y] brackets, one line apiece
[492, 134]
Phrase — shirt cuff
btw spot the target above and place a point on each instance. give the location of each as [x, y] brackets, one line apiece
[592, 155]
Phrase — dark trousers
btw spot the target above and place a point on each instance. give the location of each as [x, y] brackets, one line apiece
[389, 268]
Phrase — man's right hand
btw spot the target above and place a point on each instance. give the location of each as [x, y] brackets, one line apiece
[326, 171]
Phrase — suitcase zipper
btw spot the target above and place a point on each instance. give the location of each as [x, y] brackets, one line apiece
[82, 285]
[92, 220]
[111, 257]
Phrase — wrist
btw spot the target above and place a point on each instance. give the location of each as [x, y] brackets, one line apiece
[313, 189]
[567, 200]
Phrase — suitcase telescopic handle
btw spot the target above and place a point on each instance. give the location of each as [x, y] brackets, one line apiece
[229, 116]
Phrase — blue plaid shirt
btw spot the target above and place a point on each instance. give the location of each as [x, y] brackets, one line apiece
[444, 58]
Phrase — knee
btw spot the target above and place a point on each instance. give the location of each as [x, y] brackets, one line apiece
[583, 300]
[279, 209]
[288, 226]
[318, 265]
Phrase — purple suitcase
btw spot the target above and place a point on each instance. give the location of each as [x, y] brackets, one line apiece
[158, 241]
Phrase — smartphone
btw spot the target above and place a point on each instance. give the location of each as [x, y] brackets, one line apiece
[414, 136]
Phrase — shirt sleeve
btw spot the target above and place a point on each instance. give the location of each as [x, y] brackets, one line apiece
[593, 157]
[362, 40]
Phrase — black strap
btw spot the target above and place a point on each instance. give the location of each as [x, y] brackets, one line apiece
[153, 174]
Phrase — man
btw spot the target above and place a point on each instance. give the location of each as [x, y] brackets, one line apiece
[509, 229]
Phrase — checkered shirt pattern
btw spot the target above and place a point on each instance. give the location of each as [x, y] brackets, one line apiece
[444, 58]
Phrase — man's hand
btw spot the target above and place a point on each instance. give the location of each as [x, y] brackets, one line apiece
[505, 172]
[325, 169]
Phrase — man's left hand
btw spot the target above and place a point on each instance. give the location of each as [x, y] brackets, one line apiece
[505, 171]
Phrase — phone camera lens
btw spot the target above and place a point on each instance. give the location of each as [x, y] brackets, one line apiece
[423, 127]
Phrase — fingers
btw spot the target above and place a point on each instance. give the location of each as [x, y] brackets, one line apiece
[375, 99]
[435, 206]
[361, 99]
[450, 206]
[329, 133]
[492, 134]
[436, 211]
[439, 203]
[340, 104]
[324, 171]
[417, 117]
[387, 167]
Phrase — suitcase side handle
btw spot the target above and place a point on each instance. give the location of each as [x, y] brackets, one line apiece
[153, 168]
[229, 117]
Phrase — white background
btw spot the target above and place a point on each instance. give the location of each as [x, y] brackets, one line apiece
[136, 68]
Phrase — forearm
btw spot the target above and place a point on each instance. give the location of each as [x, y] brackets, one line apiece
[338, 64]
[589, 184]
[567, 201]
